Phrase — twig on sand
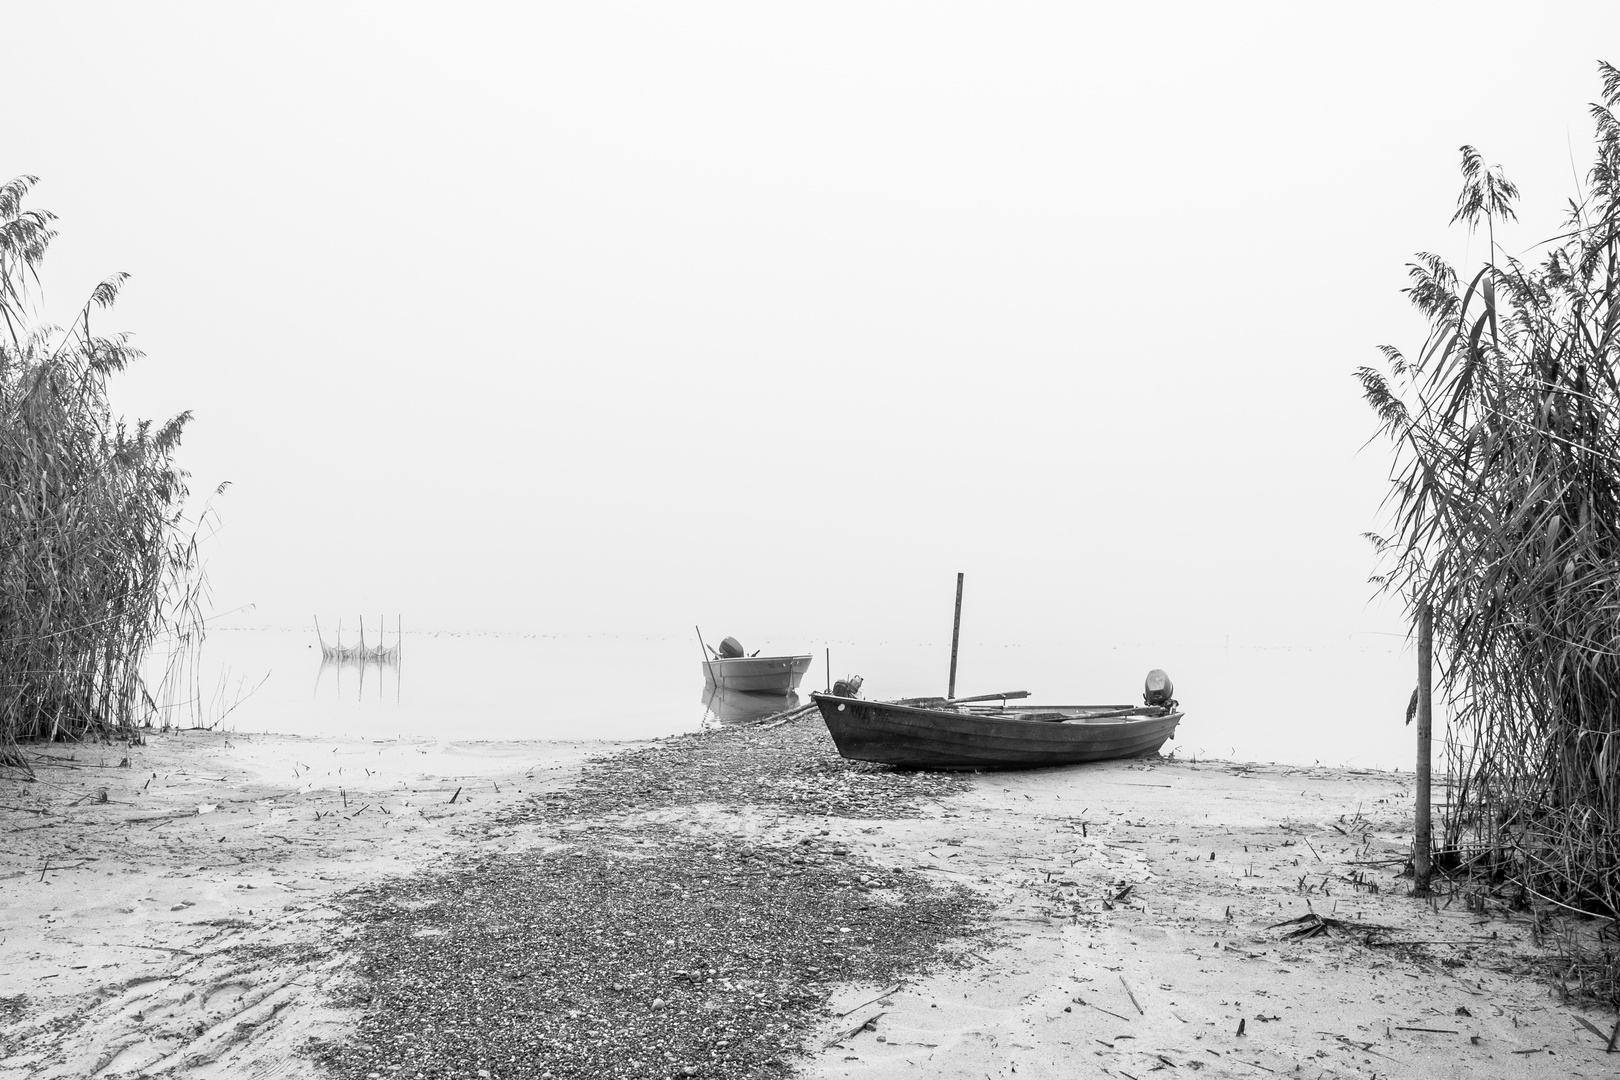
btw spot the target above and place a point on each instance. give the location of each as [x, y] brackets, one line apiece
[143, 818]
[156, 948]
[787, 717]
[864, 1004]
[1594, 1029]
[1132, 994]
[1365, 1048]
[1313, 925]
[1091, 1004]
[49, 869]
[869, 1022]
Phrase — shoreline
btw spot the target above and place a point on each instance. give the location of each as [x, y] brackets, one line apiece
[196, 921]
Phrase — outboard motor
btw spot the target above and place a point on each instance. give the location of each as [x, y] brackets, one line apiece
[1158, 690]
[730, 649]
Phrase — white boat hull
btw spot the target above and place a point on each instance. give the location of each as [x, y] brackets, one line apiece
[758, 674]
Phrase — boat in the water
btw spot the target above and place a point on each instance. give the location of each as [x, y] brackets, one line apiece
[937, 733]
[758, 674]
[730, 669]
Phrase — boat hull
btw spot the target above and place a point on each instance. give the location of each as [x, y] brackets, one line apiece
[758, 674]
[913, 737]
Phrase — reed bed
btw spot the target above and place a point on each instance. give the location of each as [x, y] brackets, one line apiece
[1506, 523]
[96, 563]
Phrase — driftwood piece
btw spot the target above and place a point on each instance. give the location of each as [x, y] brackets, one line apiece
[864, 1004]
[1093, 1005]
[869, 1023]
[1312, 925]
[1132, 995]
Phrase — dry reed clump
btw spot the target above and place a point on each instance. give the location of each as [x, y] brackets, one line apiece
[94, 563]
[1506, 504]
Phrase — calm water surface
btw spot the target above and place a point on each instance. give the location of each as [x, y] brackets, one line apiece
[1333, 704]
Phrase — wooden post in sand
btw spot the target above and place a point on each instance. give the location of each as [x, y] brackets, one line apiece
[956, 632]
[1423, 842]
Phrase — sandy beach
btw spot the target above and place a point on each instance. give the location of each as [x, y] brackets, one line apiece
[205, 904]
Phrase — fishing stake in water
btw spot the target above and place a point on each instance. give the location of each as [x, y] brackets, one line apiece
[956, 632]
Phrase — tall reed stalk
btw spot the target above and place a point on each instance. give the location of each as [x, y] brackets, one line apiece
[1506, 519]
[96, 564]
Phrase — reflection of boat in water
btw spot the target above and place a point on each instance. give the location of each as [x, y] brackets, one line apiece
[729, 706]
[753, 674]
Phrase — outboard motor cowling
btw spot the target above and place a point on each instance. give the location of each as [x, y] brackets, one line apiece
[730, 649]
[1158, 689]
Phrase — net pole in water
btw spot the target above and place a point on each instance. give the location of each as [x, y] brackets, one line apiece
[956, 633]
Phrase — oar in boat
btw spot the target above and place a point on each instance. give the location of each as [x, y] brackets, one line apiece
[987, 697]
[936, 703]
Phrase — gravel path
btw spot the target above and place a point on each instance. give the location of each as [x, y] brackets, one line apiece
[789, 765]
[650, 944]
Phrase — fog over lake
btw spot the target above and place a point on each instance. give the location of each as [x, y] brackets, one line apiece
[456, 686]
[593, 322]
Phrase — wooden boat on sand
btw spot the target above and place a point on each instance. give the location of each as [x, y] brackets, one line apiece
[934, 733]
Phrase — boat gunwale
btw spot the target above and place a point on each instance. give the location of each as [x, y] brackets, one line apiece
[1139, 712]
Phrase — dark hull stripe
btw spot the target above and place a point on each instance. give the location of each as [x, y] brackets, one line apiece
[936, 738]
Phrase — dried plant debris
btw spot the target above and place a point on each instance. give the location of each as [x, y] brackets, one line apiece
[1312, 925]
[12, 1010]
[688, 955]
[792, 766]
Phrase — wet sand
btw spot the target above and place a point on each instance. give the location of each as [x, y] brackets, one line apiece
[178, 908]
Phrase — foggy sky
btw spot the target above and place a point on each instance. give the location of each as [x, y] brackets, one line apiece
[629, 316]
